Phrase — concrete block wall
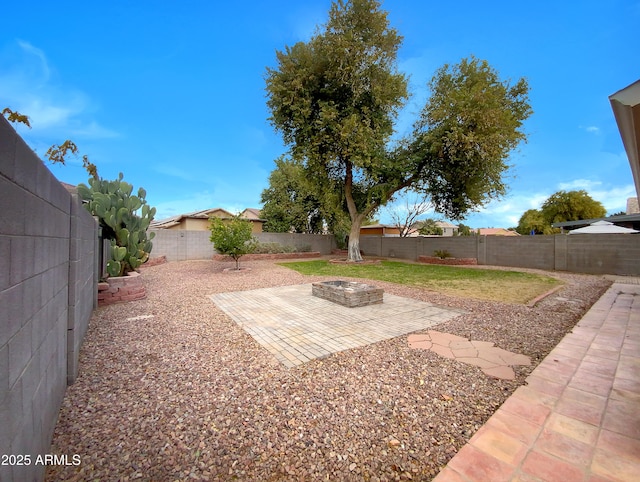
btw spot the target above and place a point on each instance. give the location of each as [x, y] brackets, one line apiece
[604, 254]
[593, 254]
[315, 242]
[536, 252]
[181, 245]
[585, 253]
[412, 248]
[83, 278]
[41, 313]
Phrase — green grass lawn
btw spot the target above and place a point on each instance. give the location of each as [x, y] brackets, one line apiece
[484, 284]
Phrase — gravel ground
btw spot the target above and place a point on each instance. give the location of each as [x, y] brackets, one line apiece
[181, 392]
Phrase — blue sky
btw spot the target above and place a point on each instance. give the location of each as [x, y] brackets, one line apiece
[172, 93]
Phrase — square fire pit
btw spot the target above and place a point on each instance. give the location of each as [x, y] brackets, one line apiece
[347, 293]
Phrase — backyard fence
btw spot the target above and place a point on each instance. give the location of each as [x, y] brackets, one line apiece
[182, 245]
[48, 280]
[585, 253]
[617, 254]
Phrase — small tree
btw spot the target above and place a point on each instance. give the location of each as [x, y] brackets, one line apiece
[232, 237]
[464, 230]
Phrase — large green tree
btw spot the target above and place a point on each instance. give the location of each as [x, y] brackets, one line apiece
[291, 203]
[335, 99]
[559, 207]
[533, 221]
[571, 206]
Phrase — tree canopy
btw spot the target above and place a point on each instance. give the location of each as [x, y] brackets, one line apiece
[290, 203]
[335, 100]
[559, 207]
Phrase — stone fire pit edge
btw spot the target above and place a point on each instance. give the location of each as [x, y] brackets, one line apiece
[347, 293]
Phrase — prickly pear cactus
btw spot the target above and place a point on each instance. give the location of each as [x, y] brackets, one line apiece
[124, 218]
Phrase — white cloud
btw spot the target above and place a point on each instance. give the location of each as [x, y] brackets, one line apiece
[578, 184]
[176, 172]
[55, 110]
[613, 198]
[507, 211]
[44, 65]
[592, 129]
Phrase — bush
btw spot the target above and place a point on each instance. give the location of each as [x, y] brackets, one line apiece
[276, 248]
[273, 248]
[232, 237]
[442, 253]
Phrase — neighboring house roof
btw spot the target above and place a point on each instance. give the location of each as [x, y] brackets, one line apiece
[385, 229]
[622, 219]
[377, 226]
[446, 224]
[415, 228]
[250, 213]
[496, 232]
[204, 214]
[602, 227]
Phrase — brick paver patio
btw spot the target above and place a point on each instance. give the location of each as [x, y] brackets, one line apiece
[297, 327]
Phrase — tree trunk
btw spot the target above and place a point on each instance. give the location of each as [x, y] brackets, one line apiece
[354, 241]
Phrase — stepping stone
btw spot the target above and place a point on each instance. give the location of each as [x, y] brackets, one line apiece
[503, 372]
[494, 361]
[465, 352]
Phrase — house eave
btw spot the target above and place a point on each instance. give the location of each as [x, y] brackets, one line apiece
[626, 109]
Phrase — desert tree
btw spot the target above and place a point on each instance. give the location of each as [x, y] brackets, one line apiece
[335, 100]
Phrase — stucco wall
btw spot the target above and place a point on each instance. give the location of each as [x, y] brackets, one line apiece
[47, 294]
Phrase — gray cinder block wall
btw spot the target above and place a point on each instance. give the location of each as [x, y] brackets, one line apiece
[585, 253]
[580, 253]
[181, 245]
[47, 293]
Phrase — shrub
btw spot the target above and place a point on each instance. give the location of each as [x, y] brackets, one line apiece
[273, 248]
[442, 253]
[276, 248]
